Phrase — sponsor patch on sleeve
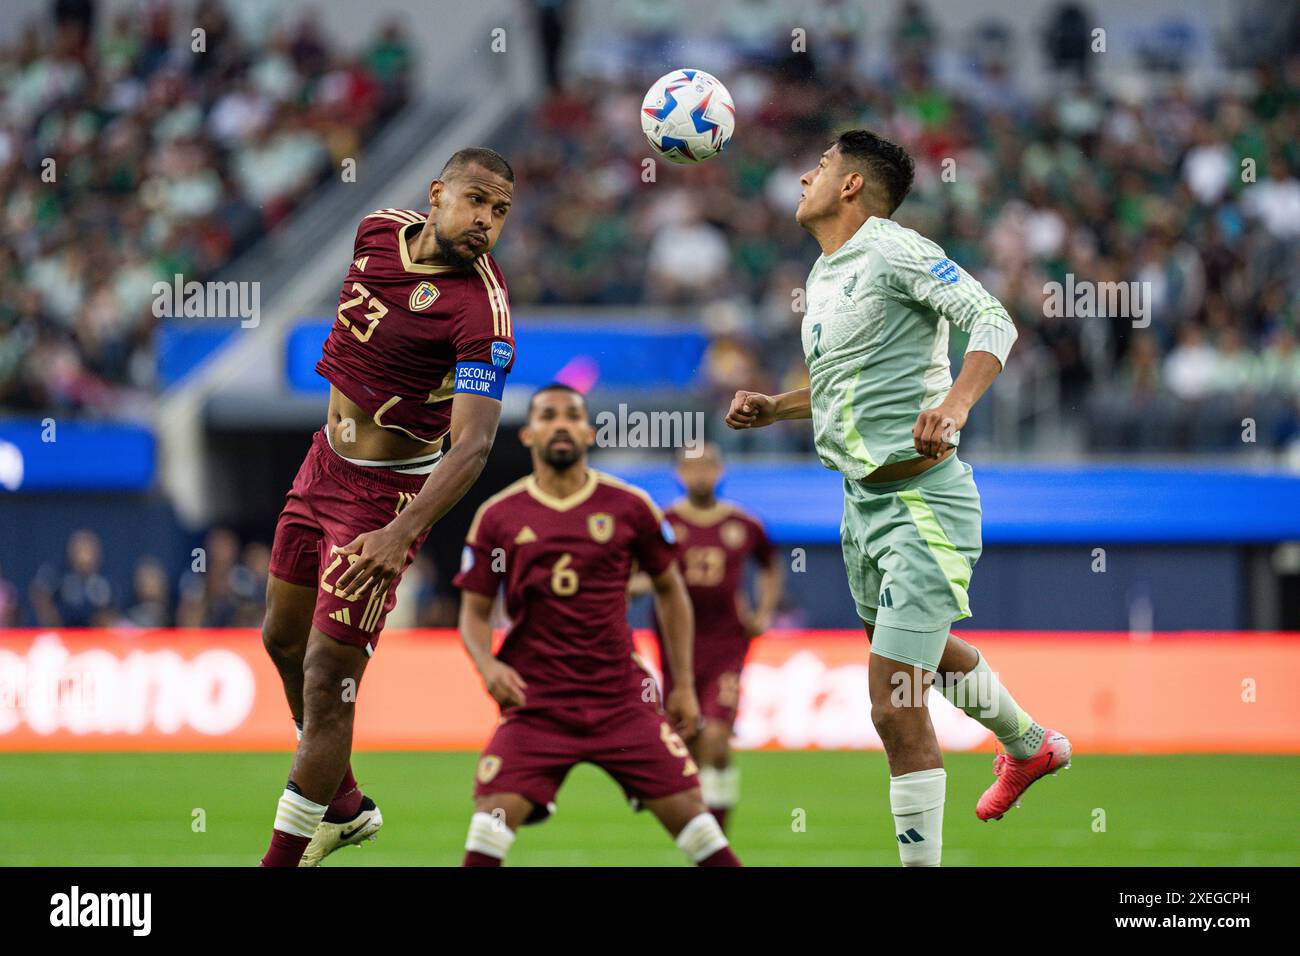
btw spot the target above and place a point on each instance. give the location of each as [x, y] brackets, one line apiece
[945, 270]
[466, 559]
[502, 353]
[666, 529]
[480, 378]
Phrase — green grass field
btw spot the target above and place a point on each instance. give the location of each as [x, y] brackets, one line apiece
[137, 809]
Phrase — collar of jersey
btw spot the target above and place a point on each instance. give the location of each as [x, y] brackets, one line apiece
[407, 263]
[704, 517]
[563, 504]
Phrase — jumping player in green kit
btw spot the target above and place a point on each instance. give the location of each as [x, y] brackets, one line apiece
[887, 415]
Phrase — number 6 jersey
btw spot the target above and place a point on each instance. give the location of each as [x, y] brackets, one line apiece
[565, 563]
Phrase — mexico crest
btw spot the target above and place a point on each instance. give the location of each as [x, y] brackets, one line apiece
[425, 294]
[733, 534]
[601, 526]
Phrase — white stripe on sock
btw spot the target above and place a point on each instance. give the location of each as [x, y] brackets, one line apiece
[297, 815]
[489, 835]
[701, 838]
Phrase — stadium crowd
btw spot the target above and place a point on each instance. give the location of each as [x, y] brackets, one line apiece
[223, 584]
[138, 149]
[1192, 194]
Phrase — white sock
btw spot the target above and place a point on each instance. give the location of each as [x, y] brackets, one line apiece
[489, 835]
[720, 788]
[297, 815]
[917, 802]
[981, 696]
[701, 838]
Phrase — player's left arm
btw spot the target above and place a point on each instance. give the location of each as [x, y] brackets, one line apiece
[380, 554]
[924, 275]
[768, 582]
[677, 627]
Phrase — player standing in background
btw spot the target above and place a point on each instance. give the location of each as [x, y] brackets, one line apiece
[716, 540]
[419, 350]
[886, 413]
[565, 541]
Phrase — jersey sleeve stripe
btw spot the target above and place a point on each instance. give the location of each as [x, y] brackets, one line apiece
[486, 275]
[501, 290]
[398, 219]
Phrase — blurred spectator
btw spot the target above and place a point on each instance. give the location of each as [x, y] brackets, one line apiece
[552, 23]
[79, 595]
[151, 606]
[1069, 39]
[10, 609]
[224, 591]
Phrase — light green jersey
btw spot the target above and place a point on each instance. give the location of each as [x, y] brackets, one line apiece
[875, 338]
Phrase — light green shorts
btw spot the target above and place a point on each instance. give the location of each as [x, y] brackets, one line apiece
[909, 547]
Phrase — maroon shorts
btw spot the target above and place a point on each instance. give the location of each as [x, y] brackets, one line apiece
[717, 685]
[331, 502]
[533, 750]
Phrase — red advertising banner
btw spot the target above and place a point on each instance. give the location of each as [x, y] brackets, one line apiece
[181, 690]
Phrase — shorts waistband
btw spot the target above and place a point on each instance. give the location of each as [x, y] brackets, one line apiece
[948, 468]
[380, 479]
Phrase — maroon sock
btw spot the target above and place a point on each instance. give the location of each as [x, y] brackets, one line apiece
[474, 858]
[347, 799]
[720, 814]
[286, 849]
[723, 857]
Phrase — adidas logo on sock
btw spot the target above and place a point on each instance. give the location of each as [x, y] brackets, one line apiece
[911, 836]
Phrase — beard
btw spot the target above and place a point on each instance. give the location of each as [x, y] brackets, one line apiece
[451, 253]
[561, 459]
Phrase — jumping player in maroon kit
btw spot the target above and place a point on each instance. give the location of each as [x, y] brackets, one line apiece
[716, 540]
[419, 350]
[564, 541]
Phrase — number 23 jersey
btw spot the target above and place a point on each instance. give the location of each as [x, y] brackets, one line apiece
[407, 336]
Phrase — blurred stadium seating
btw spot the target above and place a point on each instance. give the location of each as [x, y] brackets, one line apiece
[165, 163]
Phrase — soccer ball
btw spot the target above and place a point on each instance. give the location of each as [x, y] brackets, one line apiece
[688, 116]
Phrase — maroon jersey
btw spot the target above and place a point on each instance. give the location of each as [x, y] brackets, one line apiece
[566, 564]
[408, 336]
[715, 544]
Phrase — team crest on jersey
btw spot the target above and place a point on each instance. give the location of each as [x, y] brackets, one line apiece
[488, 768]
[945, 270]
[601, 526]
[424, 295]
[733, 534]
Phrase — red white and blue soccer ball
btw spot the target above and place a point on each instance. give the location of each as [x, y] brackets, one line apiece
[688, 116]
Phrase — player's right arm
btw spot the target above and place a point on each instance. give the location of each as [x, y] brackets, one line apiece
[482, 569]
[501, 680]
[754, 409]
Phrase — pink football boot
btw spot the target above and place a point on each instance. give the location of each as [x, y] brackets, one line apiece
[1015, 776]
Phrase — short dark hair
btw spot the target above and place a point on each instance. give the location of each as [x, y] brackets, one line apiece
[554, 387]
[888, 163]
[489, 159]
